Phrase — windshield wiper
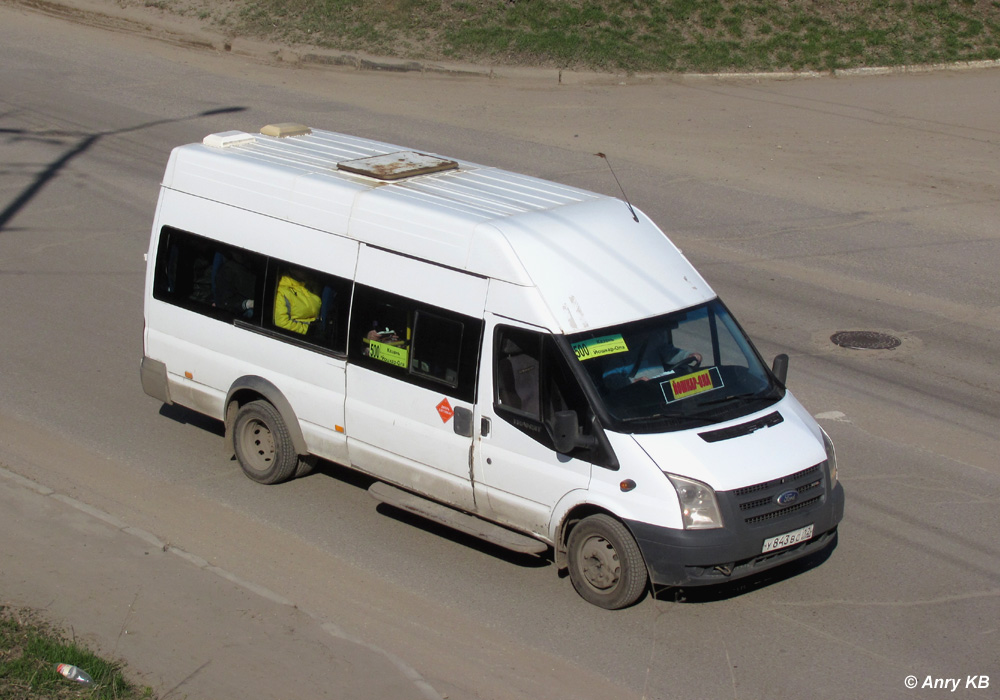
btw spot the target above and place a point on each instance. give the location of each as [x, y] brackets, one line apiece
[742, 398]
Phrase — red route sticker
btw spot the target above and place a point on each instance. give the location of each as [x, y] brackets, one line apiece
[691, 384]
[445, 410]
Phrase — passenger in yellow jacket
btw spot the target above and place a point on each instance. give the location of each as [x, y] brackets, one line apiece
[295, 306]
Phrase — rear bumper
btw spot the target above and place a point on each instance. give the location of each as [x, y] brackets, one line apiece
[705, 557]
[153, 375]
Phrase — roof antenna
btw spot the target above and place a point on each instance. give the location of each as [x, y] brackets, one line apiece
[601, 155]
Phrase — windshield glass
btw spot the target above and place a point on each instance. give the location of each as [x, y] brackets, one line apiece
[676, 371]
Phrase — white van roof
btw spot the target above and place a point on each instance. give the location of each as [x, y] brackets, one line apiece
[582, 250]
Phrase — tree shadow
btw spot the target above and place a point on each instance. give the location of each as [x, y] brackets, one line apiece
[85, 143]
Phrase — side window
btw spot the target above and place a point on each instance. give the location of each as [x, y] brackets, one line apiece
[437, 348]
[518, 372]
[309, 306]
[381, 330]
[533, 382]
[424, 345]
[207, 276]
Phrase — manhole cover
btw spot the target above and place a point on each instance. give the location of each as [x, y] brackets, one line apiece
[865, 340]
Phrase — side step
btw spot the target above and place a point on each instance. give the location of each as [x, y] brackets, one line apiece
[456, 520]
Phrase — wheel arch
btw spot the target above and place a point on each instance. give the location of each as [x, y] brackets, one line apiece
[250, 388]
[569, 520]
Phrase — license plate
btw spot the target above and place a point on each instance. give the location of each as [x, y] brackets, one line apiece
[787, 540]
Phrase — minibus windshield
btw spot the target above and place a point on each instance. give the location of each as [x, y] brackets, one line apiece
[679, 370]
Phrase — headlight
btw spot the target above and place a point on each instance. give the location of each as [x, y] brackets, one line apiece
[831, 458]
[698, 504]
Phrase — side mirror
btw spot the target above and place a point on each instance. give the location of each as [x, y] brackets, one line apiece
[780, 368]
[565, 430]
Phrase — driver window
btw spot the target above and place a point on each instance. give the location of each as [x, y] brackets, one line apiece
[519, 371]
[533, 382]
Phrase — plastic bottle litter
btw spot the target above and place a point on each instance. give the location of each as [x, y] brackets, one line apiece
[74, 674]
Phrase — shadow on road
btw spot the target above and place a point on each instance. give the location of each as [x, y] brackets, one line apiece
[86, 141]
[185, 416]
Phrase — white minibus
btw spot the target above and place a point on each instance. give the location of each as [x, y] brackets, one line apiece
[531, 363]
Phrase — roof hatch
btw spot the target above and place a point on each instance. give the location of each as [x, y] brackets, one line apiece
[285, 129]
[227, 139]
[396, 166]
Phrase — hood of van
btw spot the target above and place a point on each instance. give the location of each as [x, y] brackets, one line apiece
[745, 451]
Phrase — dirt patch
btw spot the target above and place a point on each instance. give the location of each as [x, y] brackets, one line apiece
[182, 29]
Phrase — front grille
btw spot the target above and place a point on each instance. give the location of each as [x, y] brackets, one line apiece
[746, 490]
[761, 502]
[758, 503]
[775, 514]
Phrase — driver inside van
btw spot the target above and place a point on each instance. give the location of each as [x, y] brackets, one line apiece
[656, 356]
[296, 305]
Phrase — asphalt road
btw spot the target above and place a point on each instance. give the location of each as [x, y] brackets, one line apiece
[812, 206]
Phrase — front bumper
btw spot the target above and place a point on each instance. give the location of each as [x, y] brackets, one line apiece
[705, 557]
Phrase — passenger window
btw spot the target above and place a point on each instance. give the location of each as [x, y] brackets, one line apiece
[422, 344]
[207, 276]
[228, 283]
[384, 330]
[437, 348]
[310, 306]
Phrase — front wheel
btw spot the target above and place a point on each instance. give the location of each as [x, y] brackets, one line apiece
[263, 445]
[605, 564]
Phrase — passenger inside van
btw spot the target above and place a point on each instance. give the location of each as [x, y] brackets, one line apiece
[234, 284]
[200, 268]
[296, 305]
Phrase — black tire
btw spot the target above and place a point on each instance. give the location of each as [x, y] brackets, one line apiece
[263, 445]
[306, 466]
[605, 564]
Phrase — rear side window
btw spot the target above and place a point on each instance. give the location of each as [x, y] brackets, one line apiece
[421, 344]
[232, 284]
[207, 276]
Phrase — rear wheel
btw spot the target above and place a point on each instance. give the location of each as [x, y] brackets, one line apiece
[605, 564]
[263, 445]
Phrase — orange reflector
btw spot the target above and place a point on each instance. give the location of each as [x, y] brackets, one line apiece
[189, 375]
[339, 428]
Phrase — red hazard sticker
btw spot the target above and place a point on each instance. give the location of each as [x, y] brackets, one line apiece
[445, 410]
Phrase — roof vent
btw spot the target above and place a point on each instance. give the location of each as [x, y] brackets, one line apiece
[285, 129]
[228, 139]
[396, 166]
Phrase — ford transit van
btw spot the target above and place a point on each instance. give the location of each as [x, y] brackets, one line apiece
[531, 363]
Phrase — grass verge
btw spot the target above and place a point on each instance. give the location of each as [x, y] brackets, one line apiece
[30, 648]
[627, 35]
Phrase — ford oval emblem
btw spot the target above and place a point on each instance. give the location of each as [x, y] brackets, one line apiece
[787, 498]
